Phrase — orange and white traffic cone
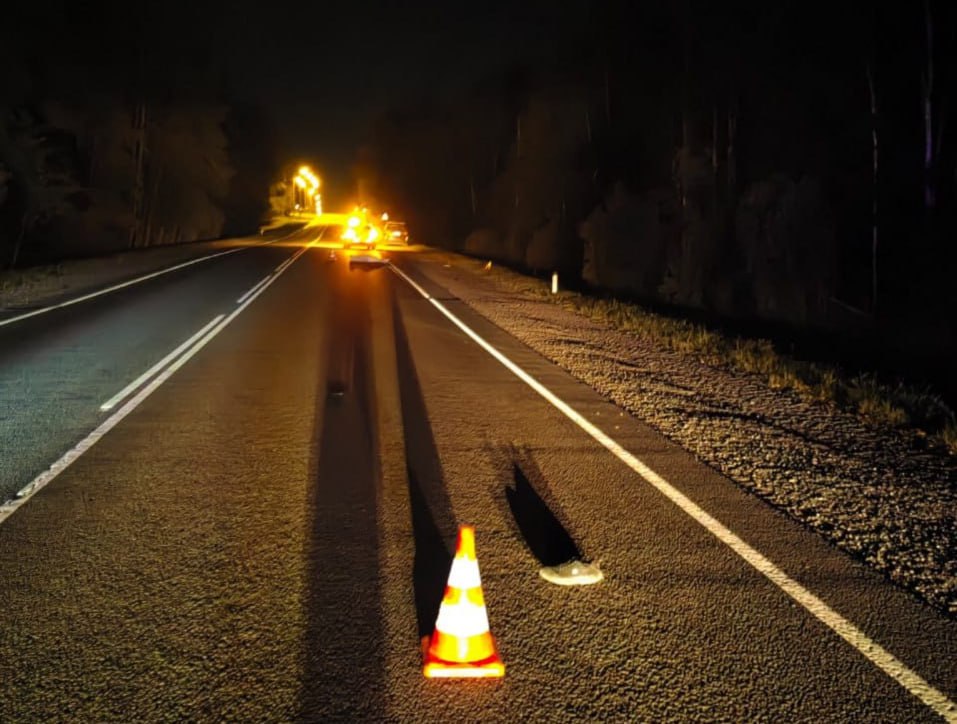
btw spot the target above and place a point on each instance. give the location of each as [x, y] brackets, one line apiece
[462, 645]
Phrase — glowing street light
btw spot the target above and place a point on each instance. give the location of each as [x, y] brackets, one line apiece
[306, 173]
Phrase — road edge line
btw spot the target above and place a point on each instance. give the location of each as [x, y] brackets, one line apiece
[131, 282]
[9, 507]
[916, 685]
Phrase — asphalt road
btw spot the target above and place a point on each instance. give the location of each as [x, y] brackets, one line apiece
[265, 533]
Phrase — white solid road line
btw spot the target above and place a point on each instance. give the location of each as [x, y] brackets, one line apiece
[879, 656]
[155, 369]
[40, 481]
[131, 282]
[115, 287]
[245, 296]
[282, 267]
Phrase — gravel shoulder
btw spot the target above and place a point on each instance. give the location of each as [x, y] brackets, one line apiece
[880, 494]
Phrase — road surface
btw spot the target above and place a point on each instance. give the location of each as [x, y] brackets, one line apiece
[262, 529]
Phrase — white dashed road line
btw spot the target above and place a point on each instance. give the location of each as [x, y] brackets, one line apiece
[249, 293]
[38, 483]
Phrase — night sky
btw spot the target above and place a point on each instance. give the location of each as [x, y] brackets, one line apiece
[325, 70]
[780, 156]
[321, 70]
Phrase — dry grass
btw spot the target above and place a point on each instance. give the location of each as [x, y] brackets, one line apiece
[875, 401]
[881, 403]
[949, 436]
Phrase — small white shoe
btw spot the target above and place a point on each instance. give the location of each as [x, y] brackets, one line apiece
[572, 573]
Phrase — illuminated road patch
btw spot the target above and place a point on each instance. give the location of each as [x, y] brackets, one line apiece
[211, 330]
[876, 654]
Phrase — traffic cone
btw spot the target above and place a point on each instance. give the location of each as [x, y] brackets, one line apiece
[462, 645]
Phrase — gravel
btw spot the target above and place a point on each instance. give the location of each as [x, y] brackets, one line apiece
[884, 495]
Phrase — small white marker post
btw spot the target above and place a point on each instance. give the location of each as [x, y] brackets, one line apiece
[554, 282]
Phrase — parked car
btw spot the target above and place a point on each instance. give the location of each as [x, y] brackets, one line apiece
[396, 232]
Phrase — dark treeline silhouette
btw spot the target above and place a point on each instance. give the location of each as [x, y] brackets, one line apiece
[117, 131]
[784, 162]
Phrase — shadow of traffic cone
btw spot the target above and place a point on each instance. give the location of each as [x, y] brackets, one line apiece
[462, 645]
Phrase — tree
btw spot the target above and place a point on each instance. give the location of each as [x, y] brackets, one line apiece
[252, 153]
[38, 183]
[187, 174]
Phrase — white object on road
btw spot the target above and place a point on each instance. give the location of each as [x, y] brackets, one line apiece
[572, 573]
[883, 659]
[554, 282]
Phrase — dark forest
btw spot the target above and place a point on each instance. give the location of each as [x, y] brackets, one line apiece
[787, 163]
[117, 131]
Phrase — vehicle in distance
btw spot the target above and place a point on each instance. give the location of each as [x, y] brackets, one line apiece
[396, 232]
[360, 234]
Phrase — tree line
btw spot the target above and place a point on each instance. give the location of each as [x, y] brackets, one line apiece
[792, 162]
[115, 133]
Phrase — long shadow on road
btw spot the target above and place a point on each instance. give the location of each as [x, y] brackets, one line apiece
[344, 662]
[433, 521]
[547, 538]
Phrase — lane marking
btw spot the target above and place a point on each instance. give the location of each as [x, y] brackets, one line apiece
[282, 267]
[246, 295]
[43, 479]
[131, 282]
[152, 371]
[874, 652]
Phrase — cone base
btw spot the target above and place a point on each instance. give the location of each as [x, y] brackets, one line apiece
[490, 668]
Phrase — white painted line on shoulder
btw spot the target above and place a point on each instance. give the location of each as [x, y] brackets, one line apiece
[246, 295]
[879, 656]
[43, 479]
[155, 369]
[131, 282]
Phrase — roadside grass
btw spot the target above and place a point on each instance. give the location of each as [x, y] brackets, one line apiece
[949, 435]
[23, 280]
[894, 405]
